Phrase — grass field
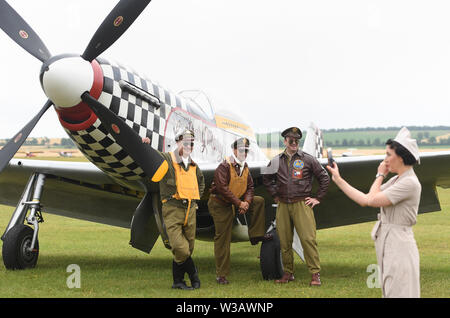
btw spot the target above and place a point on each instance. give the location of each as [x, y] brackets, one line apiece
[109, 267]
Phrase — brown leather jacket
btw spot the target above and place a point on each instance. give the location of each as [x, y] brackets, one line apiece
[219, 186]
[292, 181]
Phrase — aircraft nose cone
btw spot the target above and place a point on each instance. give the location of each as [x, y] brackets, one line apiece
[66, 79]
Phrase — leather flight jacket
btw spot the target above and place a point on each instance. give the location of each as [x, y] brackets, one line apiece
[291, 179]
[220, 186]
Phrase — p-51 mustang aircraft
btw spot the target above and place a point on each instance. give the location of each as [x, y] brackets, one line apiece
[106, 109]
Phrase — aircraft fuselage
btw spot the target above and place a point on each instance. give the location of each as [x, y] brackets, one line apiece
[152, 111]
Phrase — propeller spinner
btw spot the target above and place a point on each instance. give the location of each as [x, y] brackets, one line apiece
[66, 79]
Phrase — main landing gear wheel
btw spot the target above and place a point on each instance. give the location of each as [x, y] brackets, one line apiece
[16, 248]
[270, 258]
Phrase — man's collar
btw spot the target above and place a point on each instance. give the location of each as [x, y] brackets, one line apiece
[299, 153]
[236, 160]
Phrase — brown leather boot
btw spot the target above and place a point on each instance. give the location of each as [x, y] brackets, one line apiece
[287, 277]
[222, 280]
[315, 280]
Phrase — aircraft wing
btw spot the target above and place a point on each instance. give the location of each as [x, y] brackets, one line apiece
[337, 209]
[80, 190]
[74, 189]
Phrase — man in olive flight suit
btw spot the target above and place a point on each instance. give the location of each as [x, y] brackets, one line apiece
[182, 185]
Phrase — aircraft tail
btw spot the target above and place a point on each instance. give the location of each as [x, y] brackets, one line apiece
[313, 144]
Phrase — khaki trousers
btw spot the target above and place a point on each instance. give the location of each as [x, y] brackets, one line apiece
[181, 238]
[301, 217]
[223, 217]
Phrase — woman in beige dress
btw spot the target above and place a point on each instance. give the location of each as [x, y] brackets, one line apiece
[398, 200]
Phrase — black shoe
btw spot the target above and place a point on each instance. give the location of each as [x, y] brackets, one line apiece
[256, 240]
[192, 272]
[181, 285]
[178, 276]
[195, 281]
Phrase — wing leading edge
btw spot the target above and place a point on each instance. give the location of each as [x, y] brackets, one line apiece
[74, 189]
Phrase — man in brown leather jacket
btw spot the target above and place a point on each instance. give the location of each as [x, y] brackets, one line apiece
[232, 190]
[290, 183]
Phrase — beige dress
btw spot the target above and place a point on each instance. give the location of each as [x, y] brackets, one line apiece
[396, 248]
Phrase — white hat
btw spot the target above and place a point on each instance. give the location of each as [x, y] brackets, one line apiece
[404, 138]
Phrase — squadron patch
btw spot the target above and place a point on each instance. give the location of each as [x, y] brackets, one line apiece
[298, 164]
[297, 174]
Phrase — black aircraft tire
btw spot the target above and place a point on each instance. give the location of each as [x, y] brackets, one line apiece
[270, 258]
[15, 244]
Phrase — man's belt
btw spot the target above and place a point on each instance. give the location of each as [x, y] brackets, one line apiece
[183, 201]
[291, 200]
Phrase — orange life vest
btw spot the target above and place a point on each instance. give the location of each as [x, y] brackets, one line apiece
[186, 181]
[238, 184]
[187, 184]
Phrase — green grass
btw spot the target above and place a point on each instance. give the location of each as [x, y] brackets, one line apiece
[111, 268]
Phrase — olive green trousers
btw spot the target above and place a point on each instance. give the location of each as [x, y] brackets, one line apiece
[223, 217]
[181, 238]
[301, 217]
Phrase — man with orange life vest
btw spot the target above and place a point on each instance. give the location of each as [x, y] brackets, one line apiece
[182, 185]
[233, 189]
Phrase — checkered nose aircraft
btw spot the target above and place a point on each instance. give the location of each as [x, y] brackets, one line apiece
[107, 108]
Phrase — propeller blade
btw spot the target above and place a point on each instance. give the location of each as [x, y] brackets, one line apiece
[10, 149]
[18, 30]
[114, 25]
[150, 160]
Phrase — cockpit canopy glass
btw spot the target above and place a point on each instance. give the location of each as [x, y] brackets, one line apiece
[199, 104]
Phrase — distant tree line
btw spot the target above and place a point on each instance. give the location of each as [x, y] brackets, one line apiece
[423, 137]
[353, 139]
[386, 128]
[377, 142]
[44, 141]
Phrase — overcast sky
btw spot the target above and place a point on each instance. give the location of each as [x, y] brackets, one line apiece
[340, 64]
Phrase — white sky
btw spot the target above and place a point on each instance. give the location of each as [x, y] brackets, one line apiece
[339, 63]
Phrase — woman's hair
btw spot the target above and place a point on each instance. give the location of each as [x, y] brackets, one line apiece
[408, 158]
